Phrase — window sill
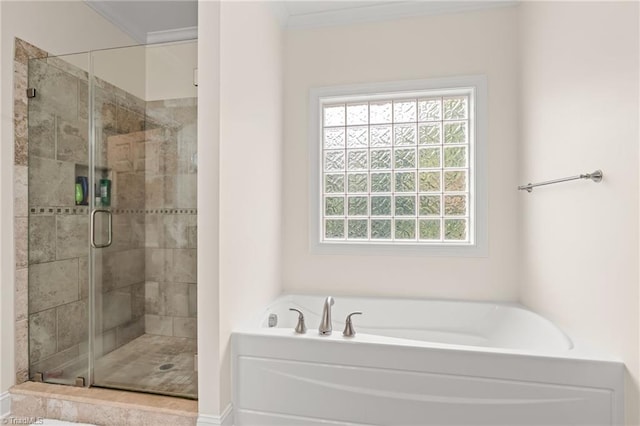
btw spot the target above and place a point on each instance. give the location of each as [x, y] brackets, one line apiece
[398, 249]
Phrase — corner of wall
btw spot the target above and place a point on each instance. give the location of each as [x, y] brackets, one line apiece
[520, 158]
[224, 419]
[250, 144]
[208, 207]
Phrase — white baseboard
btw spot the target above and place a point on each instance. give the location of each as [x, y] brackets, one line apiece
[224, 419]
[5, 404]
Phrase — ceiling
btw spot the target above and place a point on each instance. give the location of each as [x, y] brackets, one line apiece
[151, 21]
[155, 21]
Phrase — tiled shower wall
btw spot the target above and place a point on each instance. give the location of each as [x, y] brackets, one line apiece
[119, 274]
[155, 170]
[170, 272]
[149, 271]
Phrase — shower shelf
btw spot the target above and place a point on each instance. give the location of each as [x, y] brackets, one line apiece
[101, 172]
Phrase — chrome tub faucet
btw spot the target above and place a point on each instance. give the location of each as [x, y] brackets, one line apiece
[325, 323]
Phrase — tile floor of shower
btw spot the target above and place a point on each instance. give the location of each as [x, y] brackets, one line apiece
[150, 363]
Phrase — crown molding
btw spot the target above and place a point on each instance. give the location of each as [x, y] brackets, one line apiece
[388, 11]
[364, 13]
[177, 34]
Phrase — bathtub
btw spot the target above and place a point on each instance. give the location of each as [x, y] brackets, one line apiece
[418, 362]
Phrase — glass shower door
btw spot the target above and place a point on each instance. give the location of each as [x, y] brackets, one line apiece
[112, 219]
[144, 114]
[58, 219]
[118, 114]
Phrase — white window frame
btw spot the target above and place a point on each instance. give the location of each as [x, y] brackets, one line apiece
[478, 179]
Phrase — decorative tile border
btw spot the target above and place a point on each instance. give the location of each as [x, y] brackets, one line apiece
[50, 211]
[171, 211]
[84, 210]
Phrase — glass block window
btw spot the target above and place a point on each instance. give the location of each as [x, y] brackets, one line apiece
[398, 168]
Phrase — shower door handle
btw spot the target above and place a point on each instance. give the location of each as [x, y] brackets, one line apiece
[109, 228]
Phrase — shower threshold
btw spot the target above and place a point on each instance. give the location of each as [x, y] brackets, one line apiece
[100, 406]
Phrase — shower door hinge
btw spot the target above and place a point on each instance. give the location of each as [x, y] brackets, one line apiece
[195, 362]
[31, 93]
[195, 77]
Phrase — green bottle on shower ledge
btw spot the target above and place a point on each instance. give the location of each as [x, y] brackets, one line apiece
[105, 192]
[79, 194]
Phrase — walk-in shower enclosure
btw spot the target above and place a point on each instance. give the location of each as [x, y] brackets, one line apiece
[112, 169]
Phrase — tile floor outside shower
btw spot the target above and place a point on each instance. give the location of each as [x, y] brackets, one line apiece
[151, 363]
[32, 401]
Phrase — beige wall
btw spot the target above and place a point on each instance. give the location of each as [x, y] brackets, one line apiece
[58, 27]
[124, 68]
[482, 43]
[154, 72]
[251, 166]
[169, 71]
[579, 99]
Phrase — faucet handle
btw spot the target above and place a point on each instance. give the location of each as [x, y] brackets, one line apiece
[301, 328]
[348, 327]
